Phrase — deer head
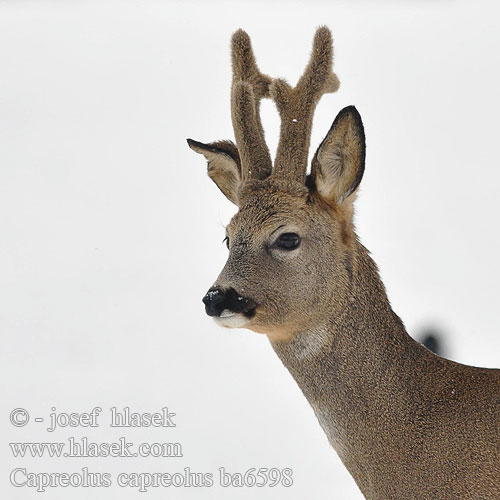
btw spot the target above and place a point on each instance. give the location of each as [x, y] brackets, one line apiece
[291, 243]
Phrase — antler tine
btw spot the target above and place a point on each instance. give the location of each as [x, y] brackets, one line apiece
[296, 107]
[248, 88]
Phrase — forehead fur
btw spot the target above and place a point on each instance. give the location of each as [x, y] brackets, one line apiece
[271, 187]
[271, 200]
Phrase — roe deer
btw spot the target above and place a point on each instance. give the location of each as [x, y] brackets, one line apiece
[406, 423]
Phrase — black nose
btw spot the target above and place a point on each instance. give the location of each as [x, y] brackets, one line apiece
[217, 300]
[214, 301]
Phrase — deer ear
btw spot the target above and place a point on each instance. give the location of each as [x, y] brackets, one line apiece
[223, 165]
[339, 162]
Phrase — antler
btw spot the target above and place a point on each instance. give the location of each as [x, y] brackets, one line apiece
[248, 88]
[296, 107]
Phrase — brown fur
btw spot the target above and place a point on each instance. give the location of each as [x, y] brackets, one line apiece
[406, 423]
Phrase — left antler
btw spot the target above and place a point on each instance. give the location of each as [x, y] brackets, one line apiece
[296, 107]
[248, 88]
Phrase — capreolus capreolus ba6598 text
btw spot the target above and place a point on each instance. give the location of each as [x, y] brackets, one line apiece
[406, 423]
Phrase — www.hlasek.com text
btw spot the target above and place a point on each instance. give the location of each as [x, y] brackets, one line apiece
[83, 447]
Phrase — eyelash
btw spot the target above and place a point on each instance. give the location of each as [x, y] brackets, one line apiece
[276, 243]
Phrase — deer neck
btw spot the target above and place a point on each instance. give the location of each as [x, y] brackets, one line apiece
[355, 370]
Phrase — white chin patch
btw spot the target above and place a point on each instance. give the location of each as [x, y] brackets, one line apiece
[230, 319]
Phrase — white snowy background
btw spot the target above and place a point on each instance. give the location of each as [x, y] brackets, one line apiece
[110, 229]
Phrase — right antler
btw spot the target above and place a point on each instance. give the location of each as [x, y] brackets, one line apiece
[296, 107]
[248, 88]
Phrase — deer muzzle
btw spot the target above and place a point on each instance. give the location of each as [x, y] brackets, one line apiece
[228, 307]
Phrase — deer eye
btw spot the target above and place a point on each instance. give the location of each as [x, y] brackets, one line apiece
[226, 241]
[288, 241]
